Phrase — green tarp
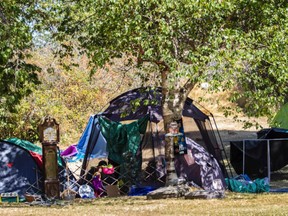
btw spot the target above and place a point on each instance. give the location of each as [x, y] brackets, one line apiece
[31, 147]
[26, 145]
[122, 138]
[256, 186]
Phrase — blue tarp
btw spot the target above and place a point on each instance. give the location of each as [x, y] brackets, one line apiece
[140, 191]
[100, 149]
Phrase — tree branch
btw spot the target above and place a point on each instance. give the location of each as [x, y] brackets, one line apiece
[2, 16]
[188, 87]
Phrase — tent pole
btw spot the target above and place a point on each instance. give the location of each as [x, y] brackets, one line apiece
[222, 149]
[243, 166]
[153, 144]
[268, 160]
[222, 146]
[37, 178]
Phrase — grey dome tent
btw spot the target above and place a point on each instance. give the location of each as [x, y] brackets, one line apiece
[149, 154]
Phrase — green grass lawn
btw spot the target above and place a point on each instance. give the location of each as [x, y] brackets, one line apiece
[232, 204]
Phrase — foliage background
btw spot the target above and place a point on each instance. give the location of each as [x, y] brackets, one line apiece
[248, 38]
[69, 93]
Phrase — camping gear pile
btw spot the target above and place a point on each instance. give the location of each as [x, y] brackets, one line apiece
[243, 184]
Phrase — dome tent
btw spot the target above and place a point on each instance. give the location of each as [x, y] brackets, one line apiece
[150, 149]
[22, 169]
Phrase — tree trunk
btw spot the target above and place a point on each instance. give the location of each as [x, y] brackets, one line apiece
[171, 176]
[172, 106]
[173, 100]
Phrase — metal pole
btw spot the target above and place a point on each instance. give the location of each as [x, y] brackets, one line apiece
[268, 160]
[243, 165]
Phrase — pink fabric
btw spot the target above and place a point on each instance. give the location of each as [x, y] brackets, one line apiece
[108, 170]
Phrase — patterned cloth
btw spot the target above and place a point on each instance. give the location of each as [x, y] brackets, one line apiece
[199, 167]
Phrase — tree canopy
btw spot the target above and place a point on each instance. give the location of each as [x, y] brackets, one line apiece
[17, 76]
[228, 43]
[235, 45]
[243, 43]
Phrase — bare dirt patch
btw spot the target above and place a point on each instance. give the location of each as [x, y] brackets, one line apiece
[231, 129]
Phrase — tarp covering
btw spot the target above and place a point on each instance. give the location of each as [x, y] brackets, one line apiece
[26, 145]
[272, 133]
[92, 134]
[122, 138]
[69, 152]
[256, 153]
[243, 185]
[35, 151]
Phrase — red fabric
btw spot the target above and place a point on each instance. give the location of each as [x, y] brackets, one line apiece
[38, 159]
[10, 164]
